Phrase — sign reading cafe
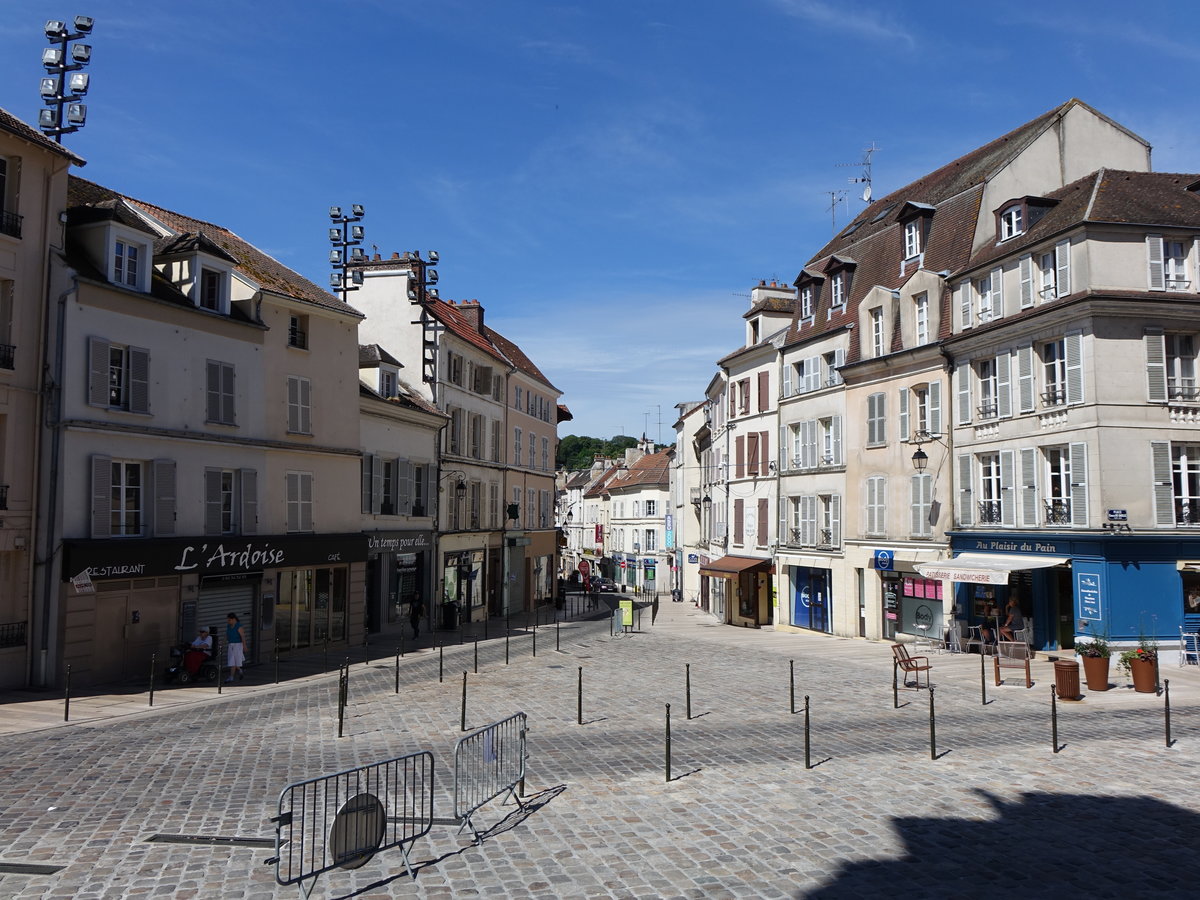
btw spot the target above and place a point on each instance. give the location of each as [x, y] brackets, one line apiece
[213, 556]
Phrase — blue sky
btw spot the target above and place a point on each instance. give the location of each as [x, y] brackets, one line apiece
[608, 178]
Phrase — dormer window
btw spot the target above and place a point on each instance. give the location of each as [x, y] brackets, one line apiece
[212, 290]
[806, 302]
[912, 239]
[1012, 221]
[388, 382]
[752, 333]
[130, 254]
[126, 264]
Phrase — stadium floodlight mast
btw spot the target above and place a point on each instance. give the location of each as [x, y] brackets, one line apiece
[347, 256]
[64, 86]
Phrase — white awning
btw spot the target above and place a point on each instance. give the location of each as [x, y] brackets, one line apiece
[986, 568]
[1188, 565]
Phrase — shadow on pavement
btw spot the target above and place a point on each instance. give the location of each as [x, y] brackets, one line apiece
[1038, 845]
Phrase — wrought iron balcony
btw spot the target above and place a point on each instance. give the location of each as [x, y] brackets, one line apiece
[1055, 397]
[10, 223]
[825, 537]
[8, 355]
[12, 634]
[987, 411]
[3, 496]
[989, 512]
[1182, 389]
[1058, 512]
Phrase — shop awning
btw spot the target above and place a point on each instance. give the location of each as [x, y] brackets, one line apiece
[732, 565]
[986, 568]
[1188, 565]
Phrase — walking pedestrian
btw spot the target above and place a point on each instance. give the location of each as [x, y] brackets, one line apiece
[235, 642]
[415, 613]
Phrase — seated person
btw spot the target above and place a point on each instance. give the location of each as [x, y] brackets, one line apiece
[198, 650]
[1014, 622]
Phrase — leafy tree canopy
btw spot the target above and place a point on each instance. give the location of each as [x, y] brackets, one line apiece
[577, 451]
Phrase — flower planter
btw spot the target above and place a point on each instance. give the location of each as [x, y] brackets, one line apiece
[1142, 671]
[1095, 671]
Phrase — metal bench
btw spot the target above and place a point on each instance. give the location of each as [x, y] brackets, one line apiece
[1012, 655]
[911, 665]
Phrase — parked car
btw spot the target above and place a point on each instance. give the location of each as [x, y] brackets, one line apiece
[604, 585]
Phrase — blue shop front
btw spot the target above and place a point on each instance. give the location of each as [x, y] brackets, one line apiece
[1121, 585]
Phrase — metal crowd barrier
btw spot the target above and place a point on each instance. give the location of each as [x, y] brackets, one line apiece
[342, 820]
[488, 763]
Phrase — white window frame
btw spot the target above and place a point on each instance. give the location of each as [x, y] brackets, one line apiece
[988, 379]
[837, 292]
[126, 520]
[1180, 356]
[298, 493]
[1056, 461]
[806, 302]
[921, 318]
[1053, 357]
[912, 239]
[1012, 222]
[220, 393]
[877, 336]
[299, 405]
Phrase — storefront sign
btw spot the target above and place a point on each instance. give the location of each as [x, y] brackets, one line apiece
[884, 560]
[693, 559]
[1087, 586]
[398, 542]
[208, 556]
[1118, 515]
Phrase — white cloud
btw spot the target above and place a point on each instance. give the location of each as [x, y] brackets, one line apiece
[854, 19]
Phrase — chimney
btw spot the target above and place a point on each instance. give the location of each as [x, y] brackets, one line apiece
[395, 255]
[472, 311]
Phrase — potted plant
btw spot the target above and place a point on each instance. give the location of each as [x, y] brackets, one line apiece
[1096, 656]
[1141, 663]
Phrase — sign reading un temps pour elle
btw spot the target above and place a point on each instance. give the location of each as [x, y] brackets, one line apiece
[208, 556]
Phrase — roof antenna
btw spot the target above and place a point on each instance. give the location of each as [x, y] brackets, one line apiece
[835, 197]
[865, 177]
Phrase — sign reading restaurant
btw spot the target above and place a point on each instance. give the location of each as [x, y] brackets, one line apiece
[227, 555]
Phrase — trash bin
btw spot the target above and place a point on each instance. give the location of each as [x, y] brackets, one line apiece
[450, 620]
[1066, 679]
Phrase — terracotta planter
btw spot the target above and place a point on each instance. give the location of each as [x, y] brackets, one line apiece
[1143, 675]
[1095, 671]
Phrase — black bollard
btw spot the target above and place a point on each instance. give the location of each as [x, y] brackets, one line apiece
[67, 696]
[792, 679]
[982, 676]
[277, 660]
[688, 679]
[668, 743]
[506, 649]
[153, 664]
[557, 644]
[462, 724]
[1167, 708]
[807, 745]
[535, 642]
[220, 663]
[476, 656]
[1054, 718]
[441, 661]
[398, 654]
[932, 727]
[895, 687]
[579, 699]
[343, 694]
[366, 650]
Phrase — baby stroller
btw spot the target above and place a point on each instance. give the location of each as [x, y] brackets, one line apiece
[189, 664]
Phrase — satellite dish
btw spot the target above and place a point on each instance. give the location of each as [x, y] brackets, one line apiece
[866, 195]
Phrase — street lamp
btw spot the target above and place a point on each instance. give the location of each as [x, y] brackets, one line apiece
[347, 256]
[58, 91]
[421, 292]
[920, 459]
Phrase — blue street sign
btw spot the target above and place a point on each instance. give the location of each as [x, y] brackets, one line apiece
[883, 560]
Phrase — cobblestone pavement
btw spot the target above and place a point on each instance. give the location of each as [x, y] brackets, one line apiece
[1114, 813]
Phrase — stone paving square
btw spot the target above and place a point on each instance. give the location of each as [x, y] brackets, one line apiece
[1113, 813]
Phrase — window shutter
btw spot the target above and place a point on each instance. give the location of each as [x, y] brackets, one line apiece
[764, 385]
[212, 501]
[964, 303]
[1156, 274]
[1026, 269]
[917, 510]
[964, 393]
[139, 380]
[376, 484]
[812, 374]
[1062, 266]
[835, 520]
[1164, 494]
[764, 449]
[764, 514]
[752, 452]
[787, 379]
[1079, 488]
[164, 496]
[904, 433]
[1029, 498]
[1025, 379]
[935, 406]
[213, 391]
[98, 372]
[306, 411]
[1007, 496]
[732, 401]
[869, 517]
[249, 487]
[404, 487]
[367, 480]
[1004, 384]
[1073, 343]
[839, 360]
[808, 431]
[835, 425]
[102, 497]
[293, 420]
[1156, 365]
[966, 507]
[783, 449]
[739, 521]
[997, 293]
[739, 455]
[228, 389]
[808, 520]
[782, 537]
[306, 501]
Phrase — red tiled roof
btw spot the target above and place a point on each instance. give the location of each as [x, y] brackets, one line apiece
[653, 468]
[456, 323]
[517, 356]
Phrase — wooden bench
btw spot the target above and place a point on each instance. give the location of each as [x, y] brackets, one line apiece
[913, 665]
[1013, 655]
